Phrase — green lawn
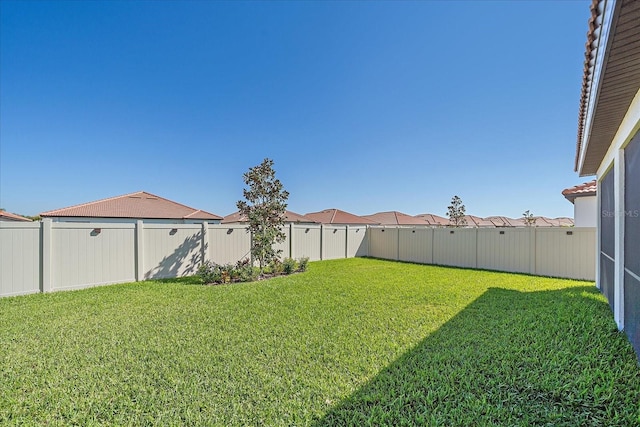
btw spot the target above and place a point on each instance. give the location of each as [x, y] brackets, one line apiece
[350, 342]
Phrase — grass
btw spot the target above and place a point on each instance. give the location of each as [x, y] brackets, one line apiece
[350, 342]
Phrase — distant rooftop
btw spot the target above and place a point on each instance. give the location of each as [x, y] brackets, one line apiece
[289, 216]
[396, 218]
[7, 216]
[135, 205]
[336, 216]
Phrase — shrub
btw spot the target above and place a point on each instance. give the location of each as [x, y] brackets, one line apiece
[303, 263]
[276, 266]
[209, 272]
[289, 265]
[245, 271]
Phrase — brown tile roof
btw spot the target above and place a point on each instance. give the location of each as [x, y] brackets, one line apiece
[135, 205]
[611, 78]
[503, 221]
[434, 220]
[336, 216]
[289, 216]
[587, 189]
[475, 221]
[543, 221]
[395, 218]
[12, 217]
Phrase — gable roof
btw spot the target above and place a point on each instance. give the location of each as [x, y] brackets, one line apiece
[611, 78]
[135, 205]
[4, 215]
[289, 216]
[432, 219]
[395, 218]
[336, 216]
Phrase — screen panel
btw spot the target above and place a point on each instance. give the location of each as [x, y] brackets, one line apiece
[607, 236]
[632, 242]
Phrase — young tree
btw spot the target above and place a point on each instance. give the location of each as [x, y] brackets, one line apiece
[456, 211]
[264, 208]
[529, 220]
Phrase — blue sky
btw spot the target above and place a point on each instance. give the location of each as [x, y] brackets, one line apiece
[364, 106]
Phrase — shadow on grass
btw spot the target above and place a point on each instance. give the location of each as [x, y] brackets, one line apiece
[509, 358]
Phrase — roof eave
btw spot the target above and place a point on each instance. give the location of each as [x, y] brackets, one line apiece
[609, 16]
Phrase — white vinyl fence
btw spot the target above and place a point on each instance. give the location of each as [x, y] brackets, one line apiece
[557, 251]
[49, 256]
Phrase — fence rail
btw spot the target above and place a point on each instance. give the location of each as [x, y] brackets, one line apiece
[49, 256]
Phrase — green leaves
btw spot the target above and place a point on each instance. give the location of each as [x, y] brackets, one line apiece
[264, 207]
[456, 212]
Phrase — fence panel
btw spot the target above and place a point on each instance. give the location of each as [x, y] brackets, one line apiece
[383, 242]
[334, 241]
[455, 247]
[416, 245]
[506, 249]
[306, 241]
[19, 258]
[566, 253]
[91, 254]
[228, 244]
[358, 241]
[171, 250]
[284, 246]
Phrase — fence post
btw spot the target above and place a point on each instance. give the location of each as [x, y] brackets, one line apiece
[367, 235]
[46, 285]
[205, 241]
[475, 264]
[398, 243]
[139, 250]
[321, 242]
[346, 241]
[532, 249]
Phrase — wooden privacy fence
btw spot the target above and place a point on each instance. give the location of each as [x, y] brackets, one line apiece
[559, 252]
[49, 256]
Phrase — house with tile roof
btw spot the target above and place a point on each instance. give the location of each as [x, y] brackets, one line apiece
[503, 221]
[585, 203]
[608, 146]
[132, 207]
[434, 220]
[289, 217]
[338, 217]
[7, 216]
[396, 218]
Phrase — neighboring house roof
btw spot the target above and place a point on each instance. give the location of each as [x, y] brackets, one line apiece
[587, 189]
[611, 78]
[475, 221]
[289, 216]
[562, 221]
[503, 221]
[395, 218]
[434, 220]
[543, 221]
[7, 216]
[336, 216]
[135, 205]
